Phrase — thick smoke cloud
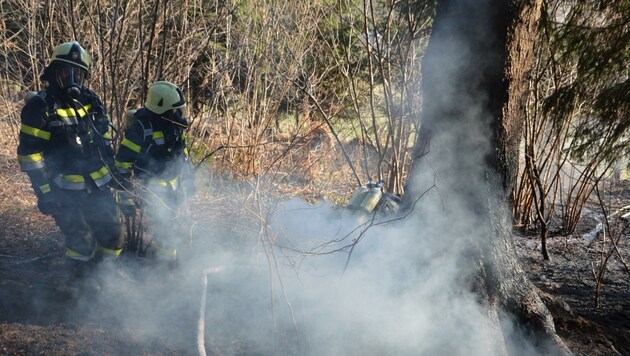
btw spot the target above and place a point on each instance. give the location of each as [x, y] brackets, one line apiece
[400, 292]
[296, 283]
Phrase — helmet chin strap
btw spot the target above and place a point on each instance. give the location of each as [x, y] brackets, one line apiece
[173, 121]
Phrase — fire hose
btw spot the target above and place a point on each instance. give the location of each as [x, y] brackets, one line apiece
[201, 328]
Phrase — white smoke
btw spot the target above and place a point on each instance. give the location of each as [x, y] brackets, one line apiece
[400, 292]
[315, 280]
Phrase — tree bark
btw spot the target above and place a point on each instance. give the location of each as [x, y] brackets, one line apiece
[475, 82]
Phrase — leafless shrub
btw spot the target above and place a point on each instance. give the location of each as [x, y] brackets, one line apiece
[614, 227]
[558, 175]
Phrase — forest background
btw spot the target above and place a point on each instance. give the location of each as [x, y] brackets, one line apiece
[311, 99]
[276, 90]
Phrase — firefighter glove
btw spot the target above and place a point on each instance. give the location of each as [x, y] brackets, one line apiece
[127, 204]
[48, 204]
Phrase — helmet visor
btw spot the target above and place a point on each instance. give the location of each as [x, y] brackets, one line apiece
[67, 75]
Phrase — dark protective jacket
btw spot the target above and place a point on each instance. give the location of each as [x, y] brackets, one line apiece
[154, 150]
[65, 142]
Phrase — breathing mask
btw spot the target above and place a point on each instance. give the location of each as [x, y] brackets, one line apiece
[69, 79]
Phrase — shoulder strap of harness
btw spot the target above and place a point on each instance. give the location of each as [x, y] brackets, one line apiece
[51, 103]
[147, 131]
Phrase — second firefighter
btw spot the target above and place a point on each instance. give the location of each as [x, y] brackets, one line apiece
[154, 157]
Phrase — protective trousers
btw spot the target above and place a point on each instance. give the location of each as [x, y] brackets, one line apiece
[160, 207]
[90, 222]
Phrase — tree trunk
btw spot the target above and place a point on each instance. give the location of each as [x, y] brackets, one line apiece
[475, 81]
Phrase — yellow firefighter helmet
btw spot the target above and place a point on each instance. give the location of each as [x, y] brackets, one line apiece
[72, 53]
[164, 96]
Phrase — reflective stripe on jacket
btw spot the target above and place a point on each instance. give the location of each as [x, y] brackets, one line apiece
[152, 148]
[68, 145]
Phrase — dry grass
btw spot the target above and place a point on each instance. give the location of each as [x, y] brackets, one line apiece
[306, 164]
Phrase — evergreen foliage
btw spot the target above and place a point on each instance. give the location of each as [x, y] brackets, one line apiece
[590, 43]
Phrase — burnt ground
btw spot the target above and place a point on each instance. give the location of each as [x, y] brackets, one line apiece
[586, 284]
[40, 314]
[44, 311]
[568, 286]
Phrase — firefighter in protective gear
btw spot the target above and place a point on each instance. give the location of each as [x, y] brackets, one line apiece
[65, 149]
[153, 154]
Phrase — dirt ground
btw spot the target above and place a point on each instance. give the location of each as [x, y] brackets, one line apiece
[590, 323]
[41, 314]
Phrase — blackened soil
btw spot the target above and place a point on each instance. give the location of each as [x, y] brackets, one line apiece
[586, 284]
[42, 312]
